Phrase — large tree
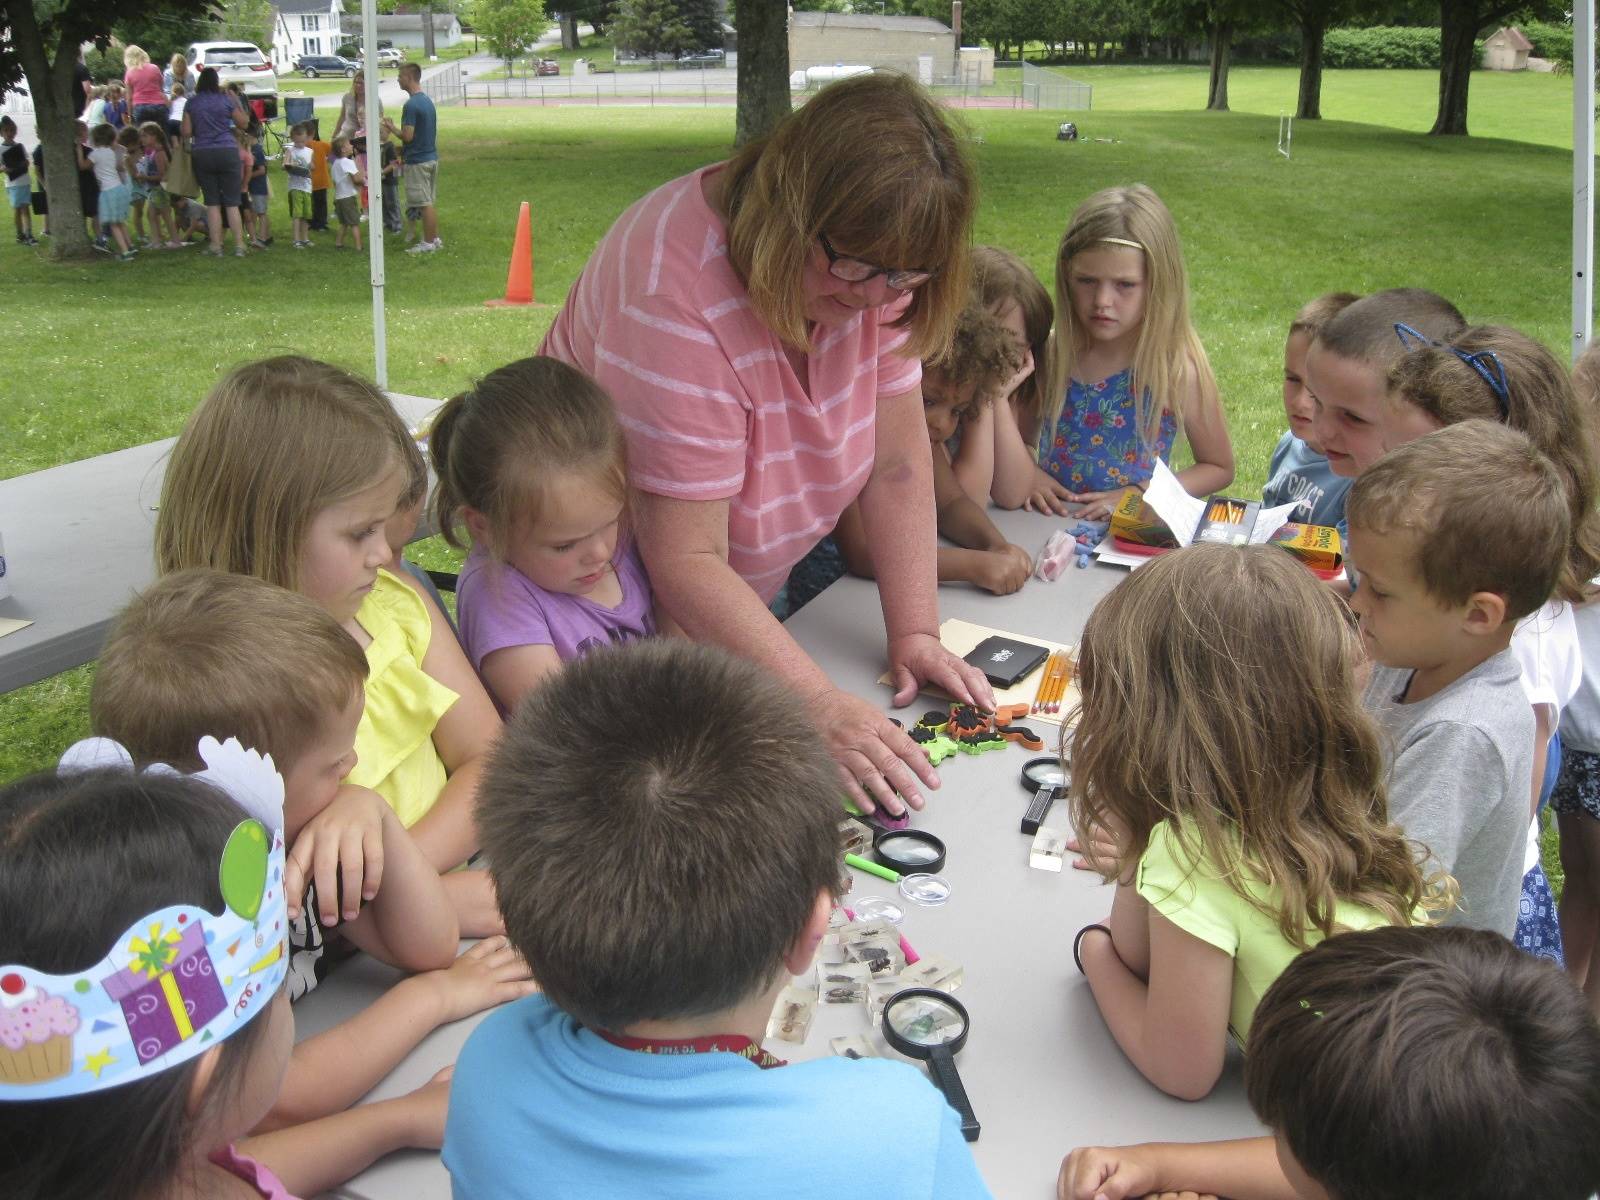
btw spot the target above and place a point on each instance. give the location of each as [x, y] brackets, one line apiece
[509, 27]
[1459, 24]
[763, 67]
[45, 39]
[705, 26]
[650, 27]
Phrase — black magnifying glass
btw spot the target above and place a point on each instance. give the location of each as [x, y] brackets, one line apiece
[1047, 778]
[909, 851]
[930, 1025]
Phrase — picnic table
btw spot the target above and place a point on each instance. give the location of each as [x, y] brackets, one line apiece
[1041, 1070]
[78, 546]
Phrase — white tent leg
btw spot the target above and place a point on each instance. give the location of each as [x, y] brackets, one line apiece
[369, 68]
[1582, 174]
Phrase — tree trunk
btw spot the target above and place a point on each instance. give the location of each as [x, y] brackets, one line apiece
[1313, 29]
[763, 67]
[1221, 50]
[55, 115]
[569, 31]
[1458, 26]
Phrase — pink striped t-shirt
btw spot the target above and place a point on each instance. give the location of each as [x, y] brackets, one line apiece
[710, 403]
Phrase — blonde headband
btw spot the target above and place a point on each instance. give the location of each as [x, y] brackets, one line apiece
[1121, 242]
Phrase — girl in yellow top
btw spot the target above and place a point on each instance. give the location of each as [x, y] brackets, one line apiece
[1232, 785]
[288, 471]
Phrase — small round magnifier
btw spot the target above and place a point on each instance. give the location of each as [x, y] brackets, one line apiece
[909, 851]
[931, 1025]
[1045, 771]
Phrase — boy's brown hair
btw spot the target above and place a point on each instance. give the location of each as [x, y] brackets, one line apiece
[203, 652]
[874, 163]
[1315, 314]
[1429, 1064]
[1170, 666]
[1486, 512]
[981, 356]
[128, 137]
[663, 817]
[1365, 330]
[103, 135]
[1461, 381]
[999, 277]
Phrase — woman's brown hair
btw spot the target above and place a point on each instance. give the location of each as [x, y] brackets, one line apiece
[1541, 402]
[999, 278]
[1218, 695]
[874, 163]
[496, 446]
[275, 443]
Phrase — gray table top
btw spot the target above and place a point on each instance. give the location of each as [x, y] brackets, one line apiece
[1041, 1070]
[78, 546]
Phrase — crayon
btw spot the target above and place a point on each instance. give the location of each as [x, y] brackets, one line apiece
[871, 868]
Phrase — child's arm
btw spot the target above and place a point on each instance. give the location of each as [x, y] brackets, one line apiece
[1207, 431]
[1173, 1026]
[316, 1157]
[356, 848]
[974, 460]
[1246, 1169]
[331, 1071]
[514, 671]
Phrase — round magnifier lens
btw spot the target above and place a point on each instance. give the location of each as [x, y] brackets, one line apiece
[1044, 771]
[877, 908]
[930, 891]
[924, 1019]
[909, 850]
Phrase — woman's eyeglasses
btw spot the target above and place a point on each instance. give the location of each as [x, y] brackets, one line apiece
[853, 270]
[1481, 361]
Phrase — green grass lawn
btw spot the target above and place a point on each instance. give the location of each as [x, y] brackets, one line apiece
[117, 354]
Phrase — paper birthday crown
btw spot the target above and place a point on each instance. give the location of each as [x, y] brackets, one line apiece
[179, 980]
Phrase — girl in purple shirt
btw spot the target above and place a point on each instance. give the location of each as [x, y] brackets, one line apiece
[532, 462]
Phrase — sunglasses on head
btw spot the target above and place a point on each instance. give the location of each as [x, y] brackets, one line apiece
[1480, 361]
[853, 270]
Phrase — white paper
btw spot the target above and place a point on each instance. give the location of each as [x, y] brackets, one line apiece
[1181, 511]
[1270, 520]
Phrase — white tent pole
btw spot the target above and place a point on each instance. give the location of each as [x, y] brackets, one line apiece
[1582, 174]
[369, 70]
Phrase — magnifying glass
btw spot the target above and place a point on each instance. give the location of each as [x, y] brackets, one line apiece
[909, 851]
[1048, 778]
[931, 1025]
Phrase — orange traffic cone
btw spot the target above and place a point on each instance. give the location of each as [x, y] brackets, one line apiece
[519, 279]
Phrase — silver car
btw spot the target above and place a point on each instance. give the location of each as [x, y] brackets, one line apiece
[241, 63]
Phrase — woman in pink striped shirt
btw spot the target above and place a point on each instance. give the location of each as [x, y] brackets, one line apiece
[759, 324]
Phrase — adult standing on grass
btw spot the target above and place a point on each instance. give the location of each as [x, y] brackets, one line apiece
[179, 71]
[419, 160]
[146, 95]
[209, 120]
[759, 323]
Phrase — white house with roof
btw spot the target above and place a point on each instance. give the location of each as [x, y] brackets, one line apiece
[304, 27]
[404, 30]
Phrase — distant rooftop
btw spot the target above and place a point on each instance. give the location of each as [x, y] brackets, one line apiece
[868, 21]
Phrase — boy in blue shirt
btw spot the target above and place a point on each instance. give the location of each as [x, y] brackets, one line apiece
[664, 823]
[1299, 470]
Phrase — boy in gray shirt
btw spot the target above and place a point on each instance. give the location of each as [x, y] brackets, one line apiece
[1456, 536]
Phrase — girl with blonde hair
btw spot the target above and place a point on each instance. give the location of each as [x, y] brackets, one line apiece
[288, 471]
[1233, 788]
[1127, 371]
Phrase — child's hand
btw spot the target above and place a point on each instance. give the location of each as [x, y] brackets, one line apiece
[428, 1107]
[340, 847]
[1047, 496]
[490, 973]
[1097, 506]
[1105, 1173]
[1005, 570]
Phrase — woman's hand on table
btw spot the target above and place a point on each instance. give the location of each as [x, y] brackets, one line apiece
[876, 758]
[920, 659]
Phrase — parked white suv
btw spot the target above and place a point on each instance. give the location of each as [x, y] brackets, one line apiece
[242, 63]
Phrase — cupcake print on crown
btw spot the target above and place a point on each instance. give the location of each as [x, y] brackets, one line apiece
[36, 1031]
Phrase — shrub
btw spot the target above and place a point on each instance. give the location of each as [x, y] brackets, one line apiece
[1552, 40]
[1382, 46]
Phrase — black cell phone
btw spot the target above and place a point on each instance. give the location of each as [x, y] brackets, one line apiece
[1004, 661]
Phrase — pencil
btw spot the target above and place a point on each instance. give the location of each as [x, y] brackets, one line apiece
[1057, 673]
[1044, 680]
[1061, 683]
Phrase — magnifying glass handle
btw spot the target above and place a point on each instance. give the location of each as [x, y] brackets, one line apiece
[942, 1066]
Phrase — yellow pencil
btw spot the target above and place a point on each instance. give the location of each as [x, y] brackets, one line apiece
[1063, 682]
[1044, 679]
[1056, 664]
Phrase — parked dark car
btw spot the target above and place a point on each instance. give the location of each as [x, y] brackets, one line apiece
[314, 65]
[547, 66]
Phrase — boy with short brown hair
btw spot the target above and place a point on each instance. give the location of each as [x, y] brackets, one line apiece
[663, 876]
[970, 375]
[1298, 470]
[1396, 1064]
[1347, 369]
[204, 652]
[1456, 536]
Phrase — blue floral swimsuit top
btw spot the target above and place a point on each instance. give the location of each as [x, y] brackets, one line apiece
[1095, 445]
